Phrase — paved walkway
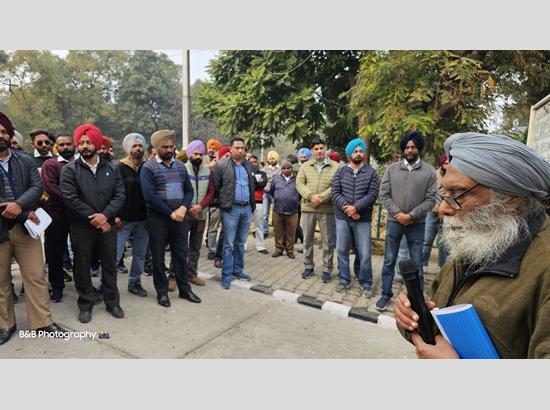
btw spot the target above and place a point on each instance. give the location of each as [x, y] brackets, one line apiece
[285, 274]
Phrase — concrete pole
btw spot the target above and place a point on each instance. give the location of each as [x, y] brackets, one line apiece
[186, 102]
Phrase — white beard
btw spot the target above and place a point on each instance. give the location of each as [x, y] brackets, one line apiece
[482, 235]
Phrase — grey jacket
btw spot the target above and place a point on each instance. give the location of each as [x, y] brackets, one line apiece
[410, 192]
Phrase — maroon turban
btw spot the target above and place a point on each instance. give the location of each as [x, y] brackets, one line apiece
[442, 159]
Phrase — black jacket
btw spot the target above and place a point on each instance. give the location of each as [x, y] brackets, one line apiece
[224, 180]
[85, 194]
[28, 187]
[134, 208]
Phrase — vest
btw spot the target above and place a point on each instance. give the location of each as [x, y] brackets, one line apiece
[200, 185]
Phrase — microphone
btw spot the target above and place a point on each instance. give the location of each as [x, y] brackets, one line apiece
[409, 271]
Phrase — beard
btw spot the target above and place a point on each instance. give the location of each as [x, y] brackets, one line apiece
[166, 156]
[67, 154]
[4, 145]
[196, 161]
[481, 236]
[87, 153]
[137, 155]
[357, 159]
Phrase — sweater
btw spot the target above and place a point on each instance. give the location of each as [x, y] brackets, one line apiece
[165, 188]
[410, 192]
[358, 189]
[51, 176]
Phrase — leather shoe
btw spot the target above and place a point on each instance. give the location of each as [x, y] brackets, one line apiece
[5, 334]
[276, 254]
[85, 316]
[291, 255]
[195, 280]
[116, 312]
[163, 300]
[53, 328]
[190, 296]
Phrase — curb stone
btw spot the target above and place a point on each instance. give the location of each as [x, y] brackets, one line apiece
[339, 309]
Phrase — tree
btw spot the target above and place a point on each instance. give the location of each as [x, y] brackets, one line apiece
[149, 95]
[295, 94]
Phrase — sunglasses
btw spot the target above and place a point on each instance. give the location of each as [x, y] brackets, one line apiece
[46, 143]
[452, 200]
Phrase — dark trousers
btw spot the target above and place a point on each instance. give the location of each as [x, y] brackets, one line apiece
[162, 230]
[219, 245]
[284, 227]
[55, 243]
[196, 232]
[299, 231]
[88, 242]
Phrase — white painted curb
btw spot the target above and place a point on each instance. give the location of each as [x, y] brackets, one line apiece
[285, 295]
[386, 322]
[336, 308]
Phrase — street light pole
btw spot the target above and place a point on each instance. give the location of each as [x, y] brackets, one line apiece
[186, 102]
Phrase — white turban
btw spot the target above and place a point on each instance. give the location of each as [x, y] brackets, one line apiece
[130, 140]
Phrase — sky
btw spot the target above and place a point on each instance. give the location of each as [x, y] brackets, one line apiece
[198, 60]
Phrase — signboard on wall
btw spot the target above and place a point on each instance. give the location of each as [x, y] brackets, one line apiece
[538, 136]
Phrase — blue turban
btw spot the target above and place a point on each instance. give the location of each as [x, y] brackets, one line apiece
[305, 152]
[500, 163]
[194, 146]
[416, 137]
[353, 144]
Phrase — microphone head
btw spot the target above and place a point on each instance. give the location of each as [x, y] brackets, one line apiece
[408, 268]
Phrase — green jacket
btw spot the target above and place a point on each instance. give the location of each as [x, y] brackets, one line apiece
[310, 182]
[511, 297]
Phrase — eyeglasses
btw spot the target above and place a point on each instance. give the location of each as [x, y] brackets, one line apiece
[452, 200]
[40, 143]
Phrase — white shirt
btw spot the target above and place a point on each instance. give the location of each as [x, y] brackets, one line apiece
[93, 167]
[37, 154]
[409, 166]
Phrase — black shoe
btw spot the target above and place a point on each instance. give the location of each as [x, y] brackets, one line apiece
[163, 300]
[5, 334]
[57, 295]
[67, 277]
[22, 291]
[85, 316]
[14, 296]
[136, 289]
[53, 329]
[211, 255]
[264, 251]
[68, 267]
[116, 312]
[148, 270]
[98, 295]
[190, 296]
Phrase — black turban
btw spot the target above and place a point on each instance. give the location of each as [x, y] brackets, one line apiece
[416, 137]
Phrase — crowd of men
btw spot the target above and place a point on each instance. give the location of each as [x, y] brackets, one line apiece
[100, 207]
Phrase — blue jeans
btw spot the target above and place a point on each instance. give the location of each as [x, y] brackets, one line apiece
[415, 239]
[268, 200]
[139, 247]
[236, 223]
[358, 234]
[432, 227]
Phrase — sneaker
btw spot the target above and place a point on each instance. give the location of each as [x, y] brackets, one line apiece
[367, 292]
[68, 267]
[211, 255]
[326, 277]
[342, 286]
[172, 284]
[148, 269]
[308, 273]
[122, 269]
[226, 282]
[67, 277]
[135, 288]
[242, 276]
[382, 303]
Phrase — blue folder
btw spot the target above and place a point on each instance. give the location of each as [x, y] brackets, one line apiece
[461, 327]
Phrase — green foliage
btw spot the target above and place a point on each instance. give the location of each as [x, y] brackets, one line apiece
[294, 94]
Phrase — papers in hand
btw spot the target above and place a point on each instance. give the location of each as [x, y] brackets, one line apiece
[36, 230]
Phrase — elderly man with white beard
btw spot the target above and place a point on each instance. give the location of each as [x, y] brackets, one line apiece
[498, 234]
